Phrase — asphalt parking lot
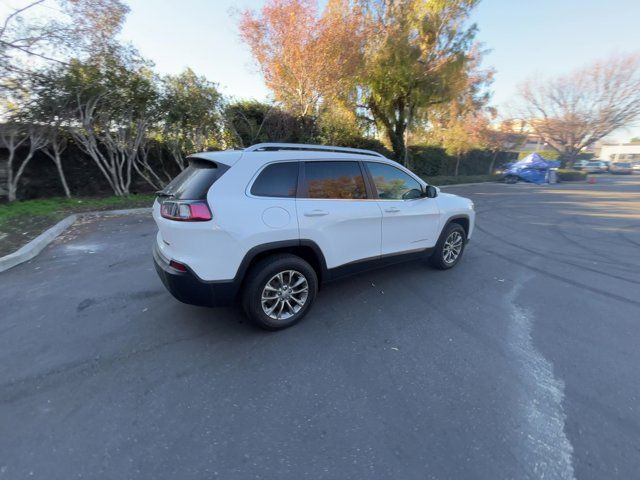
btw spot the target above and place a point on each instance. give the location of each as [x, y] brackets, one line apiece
[522, 362]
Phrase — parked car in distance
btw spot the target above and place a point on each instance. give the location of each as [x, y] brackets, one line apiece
[580, 164]
[268, 224]
[595, 166]
[621, 168]
[636, 167]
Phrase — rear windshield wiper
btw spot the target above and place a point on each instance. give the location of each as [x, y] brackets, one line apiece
[164, 194]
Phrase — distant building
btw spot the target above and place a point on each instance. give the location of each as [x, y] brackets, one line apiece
[620, 151]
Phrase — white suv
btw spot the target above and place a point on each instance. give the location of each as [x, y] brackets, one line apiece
[270, 223]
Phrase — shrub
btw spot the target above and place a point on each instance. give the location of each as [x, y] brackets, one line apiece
[428, 160]
[366, 143]
[431, 160]
[453, 180]
[571, 175]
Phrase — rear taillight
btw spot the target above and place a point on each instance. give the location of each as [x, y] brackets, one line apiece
[178, 266]
[186, 211]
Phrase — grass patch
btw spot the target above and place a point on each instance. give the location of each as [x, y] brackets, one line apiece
[66, 206]
[453, 180]
[21, 222]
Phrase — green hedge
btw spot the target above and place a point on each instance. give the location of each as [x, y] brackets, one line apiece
[451, 180]
[571, 175]
[429, 161]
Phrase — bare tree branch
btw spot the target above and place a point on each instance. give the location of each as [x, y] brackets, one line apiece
[574, 111]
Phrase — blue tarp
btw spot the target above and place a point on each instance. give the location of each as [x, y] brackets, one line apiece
[533, 168]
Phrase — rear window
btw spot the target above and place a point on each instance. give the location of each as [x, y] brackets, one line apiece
[623, 165]
[277, 180]
[341, 180]
[194, 182]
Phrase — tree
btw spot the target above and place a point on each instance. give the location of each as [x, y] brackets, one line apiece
[15, 136]
[464, 134]
[111, 103]
[415, 55]
[191, 120]
[504, 137]
[49, 108]
[305, 57]
[574, 111]
[250, 122]
[49, 30]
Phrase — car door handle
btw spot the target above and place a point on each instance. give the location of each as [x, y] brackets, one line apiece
[316, 213]
[392, 210]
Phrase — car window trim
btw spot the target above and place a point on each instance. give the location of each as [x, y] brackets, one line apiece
[375, 190]
[303, 190]
[263, 168]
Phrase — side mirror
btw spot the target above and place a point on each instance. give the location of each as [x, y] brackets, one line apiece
[431, 192]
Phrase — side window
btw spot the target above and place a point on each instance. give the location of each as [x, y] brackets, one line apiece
[392, 183]
[277, 180]
[341, 180]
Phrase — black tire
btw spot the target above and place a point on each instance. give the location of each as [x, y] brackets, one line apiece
[510, 179]
[439, 258]
[262, 273]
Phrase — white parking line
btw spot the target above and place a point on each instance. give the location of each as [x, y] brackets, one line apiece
[545, 445]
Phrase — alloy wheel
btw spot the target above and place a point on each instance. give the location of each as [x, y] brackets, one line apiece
[284, 295]
[452, 248]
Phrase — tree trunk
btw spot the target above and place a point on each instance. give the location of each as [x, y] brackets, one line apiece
[56, 157]
[457, 165]
[569, 158]
[14, 179]
[406, 148]
[11, 191]
[63, 179]
[396, 137]
[493, 162]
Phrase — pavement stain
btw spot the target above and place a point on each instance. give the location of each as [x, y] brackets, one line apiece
[84, 304]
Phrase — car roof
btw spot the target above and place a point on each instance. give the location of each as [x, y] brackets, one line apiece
[266, 153]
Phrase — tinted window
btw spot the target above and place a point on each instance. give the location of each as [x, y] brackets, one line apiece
[194, 182]
[392, 183]
[342, 180]
[277, 180]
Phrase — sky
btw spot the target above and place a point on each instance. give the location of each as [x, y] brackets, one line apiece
[525, 38]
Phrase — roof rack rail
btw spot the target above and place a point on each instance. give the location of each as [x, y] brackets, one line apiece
[272, 147]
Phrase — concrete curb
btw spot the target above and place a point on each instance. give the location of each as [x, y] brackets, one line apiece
[35, 246]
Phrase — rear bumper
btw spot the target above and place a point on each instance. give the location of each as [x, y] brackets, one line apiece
[188, 288]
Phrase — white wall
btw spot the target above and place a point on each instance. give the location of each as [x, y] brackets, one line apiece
[614, 152]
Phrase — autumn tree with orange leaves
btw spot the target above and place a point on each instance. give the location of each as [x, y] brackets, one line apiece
[306, 57]
[392, 62]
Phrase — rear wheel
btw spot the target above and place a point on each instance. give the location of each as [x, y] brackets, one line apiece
[279, 291]
[450, 247]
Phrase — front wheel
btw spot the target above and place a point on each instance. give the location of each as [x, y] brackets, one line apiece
[511, 179]
[279, 291]
[450, 247]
